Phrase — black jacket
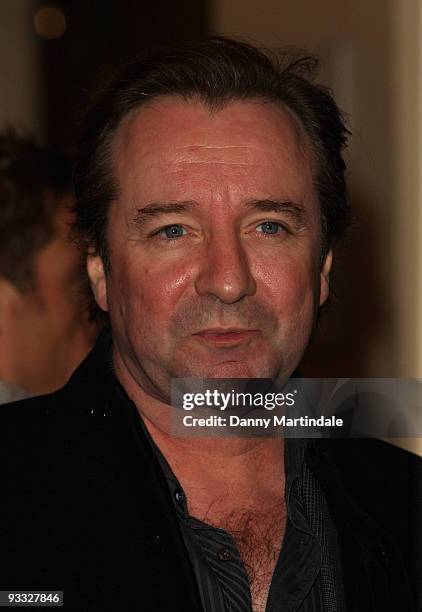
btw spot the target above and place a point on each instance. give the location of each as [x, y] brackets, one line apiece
[85, 510]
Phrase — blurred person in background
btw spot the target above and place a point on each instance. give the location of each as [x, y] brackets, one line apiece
[44, 329]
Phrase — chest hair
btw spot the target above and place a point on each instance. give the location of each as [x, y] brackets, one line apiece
[258, 535]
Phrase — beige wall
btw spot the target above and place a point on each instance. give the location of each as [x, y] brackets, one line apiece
[407, 143]
[21, 100]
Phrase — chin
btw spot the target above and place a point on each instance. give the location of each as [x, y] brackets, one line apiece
[233, 369]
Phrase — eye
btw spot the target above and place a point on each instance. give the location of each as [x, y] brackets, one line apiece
[171, 232]
[270, 227]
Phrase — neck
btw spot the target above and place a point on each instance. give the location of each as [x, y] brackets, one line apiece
[223, 463]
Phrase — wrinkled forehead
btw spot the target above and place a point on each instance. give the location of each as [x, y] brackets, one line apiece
[169, 132]
[171, 120]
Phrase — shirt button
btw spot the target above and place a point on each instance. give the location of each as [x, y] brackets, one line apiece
[178, 496]
[224, 554]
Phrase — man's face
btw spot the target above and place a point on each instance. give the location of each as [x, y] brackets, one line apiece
[214, 244]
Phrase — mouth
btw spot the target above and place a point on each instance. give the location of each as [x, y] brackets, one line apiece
[230, 336]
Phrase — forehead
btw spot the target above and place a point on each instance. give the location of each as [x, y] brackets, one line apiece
[171, 143]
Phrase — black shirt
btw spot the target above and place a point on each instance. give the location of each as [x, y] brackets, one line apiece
[300, 580]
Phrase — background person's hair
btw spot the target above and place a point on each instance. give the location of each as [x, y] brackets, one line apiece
[215, 71]
[31, 183]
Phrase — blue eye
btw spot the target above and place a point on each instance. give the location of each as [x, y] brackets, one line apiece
[269, 227]
[172, 231]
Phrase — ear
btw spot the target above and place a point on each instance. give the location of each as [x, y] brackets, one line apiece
[98, 280]
[325, 277]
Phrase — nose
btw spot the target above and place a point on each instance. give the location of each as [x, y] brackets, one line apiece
[225, 270]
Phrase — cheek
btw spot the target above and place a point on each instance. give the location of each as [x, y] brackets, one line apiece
[291, 289]
[146, 295]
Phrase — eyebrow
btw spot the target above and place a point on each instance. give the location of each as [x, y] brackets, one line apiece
[154, 209]
[295, 211]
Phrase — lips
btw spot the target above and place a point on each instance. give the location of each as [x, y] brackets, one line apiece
[226, 336]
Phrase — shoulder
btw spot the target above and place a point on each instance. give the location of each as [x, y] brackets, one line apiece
[370, 476]
[31, 407]
[364, 467]
[64, 424]
[374, 493]
[86, 389]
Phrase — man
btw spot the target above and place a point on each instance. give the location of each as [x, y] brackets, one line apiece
[210, 186]
[44, 330]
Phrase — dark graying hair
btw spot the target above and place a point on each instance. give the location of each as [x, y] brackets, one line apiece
[28, 174]
[216, 71]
